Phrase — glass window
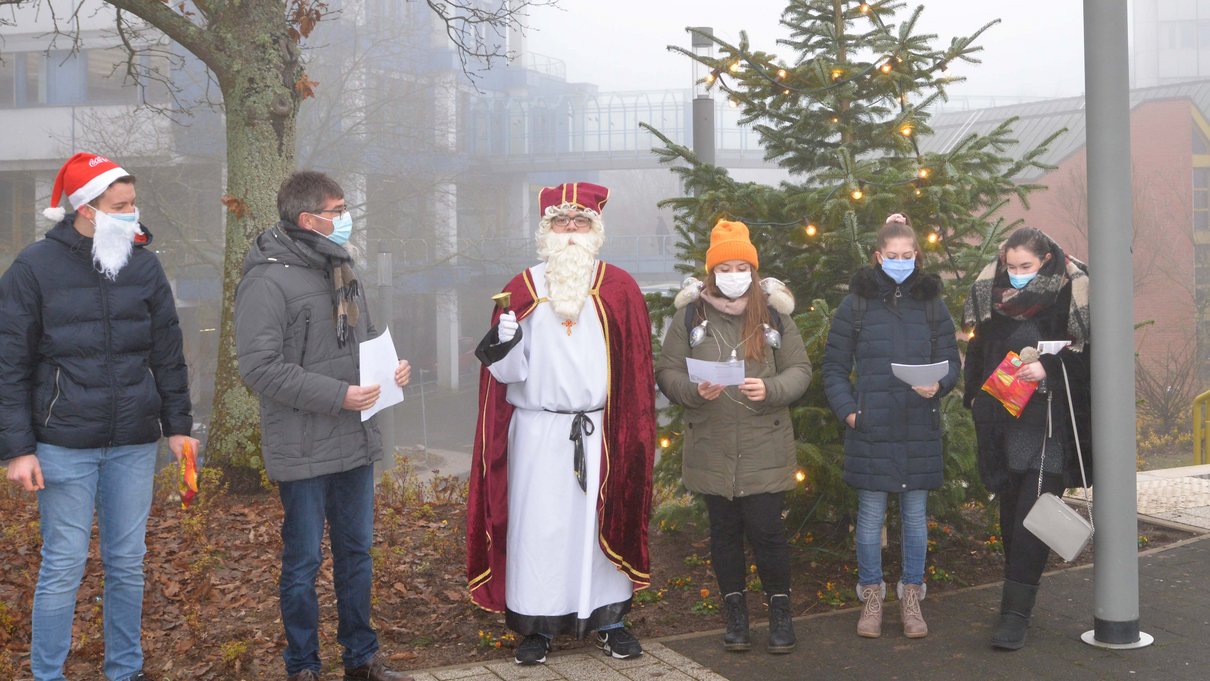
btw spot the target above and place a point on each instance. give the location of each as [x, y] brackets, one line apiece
[8, 81]
[33, 67]
[107, 79]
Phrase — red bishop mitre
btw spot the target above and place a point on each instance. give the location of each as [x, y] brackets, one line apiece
[585, 195]
[83, 178]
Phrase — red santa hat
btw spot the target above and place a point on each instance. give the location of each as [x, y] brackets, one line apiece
[83, 178]
[583, 195]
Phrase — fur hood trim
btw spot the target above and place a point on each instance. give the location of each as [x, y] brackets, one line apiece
[779, 296]
[871, 282]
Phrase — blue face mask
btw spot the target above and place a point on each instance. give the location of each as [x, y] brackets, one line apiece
[342, 228]
[900, 269]
[126, 217]
[1020, 280]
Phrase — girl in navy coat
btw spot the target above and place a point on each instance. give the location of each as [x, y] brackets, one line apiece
[893, 314]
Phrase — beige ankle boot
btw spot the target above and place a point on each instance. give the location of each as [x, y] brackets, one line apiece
[869, 624]
[910, 596]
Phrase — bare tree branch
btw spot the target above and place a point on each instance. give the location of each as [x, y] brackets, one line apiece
[468, 27]
[173, 24]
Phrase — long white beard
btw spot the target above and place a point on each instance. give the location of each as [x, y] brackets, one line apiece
[112, 243]
[570, 264]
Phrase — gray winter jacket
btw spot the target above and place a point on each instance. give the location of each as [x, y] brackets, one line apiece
[285, 334]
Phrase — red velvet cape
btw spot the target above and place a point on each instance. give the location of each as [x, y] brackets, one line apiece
[628, 443]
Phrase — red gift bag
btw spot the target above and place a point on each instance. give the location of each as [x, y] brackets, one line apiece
[1003, 384]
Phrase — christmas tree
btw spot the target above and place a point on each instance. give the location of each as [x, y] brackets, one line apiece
[845, 114]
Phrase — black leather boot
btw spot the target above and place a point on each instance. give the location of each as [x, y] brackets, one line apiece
[1016, 607]
[781, 625]
[735, 610]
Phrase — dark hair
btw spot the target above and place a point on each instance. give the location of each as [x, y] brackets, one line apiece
[1032, 239]
[756, 314]
[305, 192]
[125, 179]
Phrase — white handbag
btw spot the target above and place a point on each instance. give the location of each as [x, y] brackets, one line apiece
[1060, 526]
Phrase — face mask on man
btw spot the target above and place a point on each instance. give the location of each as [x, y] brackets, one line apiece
[1020, 280]
[733, 284]
[342, 228]
[899, 269]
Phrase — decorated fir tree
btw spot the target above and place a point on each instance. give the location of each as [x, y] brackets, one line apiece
[845, 112]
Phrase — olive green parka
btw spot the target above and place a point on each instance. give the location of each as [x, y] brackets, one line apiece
[734, 447]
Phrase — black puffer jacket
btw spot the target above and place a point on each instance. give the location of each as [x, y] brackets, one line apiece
[85, 361]
[896, 445]
[983, 355]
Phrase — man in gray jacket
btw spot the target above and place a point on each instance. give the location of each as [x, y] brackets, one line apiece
[299, 316]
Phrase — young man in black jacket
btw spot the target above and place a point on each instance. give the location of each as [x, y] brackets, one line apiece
[93, 374]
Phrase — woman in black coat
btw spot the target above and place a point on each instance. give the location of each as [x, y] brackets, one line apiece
[1032, 292]
[893, 314]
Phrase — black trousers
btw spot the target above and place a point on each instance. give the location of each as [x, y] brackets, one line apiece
[1024, 554]
[758, 517]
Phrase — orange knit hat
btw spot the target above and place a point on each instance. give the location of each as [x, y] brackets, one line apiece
[729, 241]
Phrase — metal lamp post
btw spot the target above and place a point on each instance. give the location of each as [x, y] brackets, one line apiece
[703, 102]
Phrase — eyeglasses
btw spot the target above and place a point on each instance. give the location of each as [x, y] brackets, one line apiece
[338, 211]
[579, 220]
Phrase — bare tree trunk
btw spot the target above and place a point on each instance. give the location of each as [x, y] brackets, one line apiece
[257, 74]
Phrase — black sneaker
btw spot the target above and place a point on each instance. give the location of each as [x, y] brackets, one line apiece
[619, 643]
[532, 650]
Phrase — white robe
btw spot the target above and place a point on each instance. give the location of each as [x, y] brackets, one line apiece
[555, 566]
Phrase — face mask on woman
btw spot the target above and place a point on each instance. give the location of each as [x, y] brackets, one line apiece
[899, 269]
[1020, 280]
[733, 284]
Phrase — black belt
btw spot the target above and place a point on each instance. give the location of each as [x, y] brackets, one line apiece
[581, 425]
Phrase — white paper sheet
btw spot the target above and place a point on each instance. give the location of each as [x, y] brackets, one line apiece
[1052, 347]
[378, 362]
[718, 373]
[920, 374]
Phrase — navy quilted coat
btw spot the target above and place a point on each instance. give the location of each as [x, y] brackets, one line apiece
[896, 444]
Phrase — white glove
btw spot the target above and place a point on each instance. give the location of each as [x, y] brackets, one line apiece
[506, 327]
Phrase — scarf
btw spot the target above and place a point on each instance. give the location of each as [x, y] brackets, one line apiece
[339, 264]
[726, 305]
[992, 292]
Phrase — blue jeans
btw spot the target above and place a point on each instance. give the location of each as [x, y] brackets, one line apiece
[116, 482]
[346, 501]
[871, 512]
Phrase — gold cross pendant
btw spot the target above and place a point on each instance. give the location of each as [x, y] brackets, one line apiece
[567, 324]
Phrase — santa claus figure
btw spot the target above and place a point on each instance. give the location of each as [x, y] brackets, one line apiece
[560, 484]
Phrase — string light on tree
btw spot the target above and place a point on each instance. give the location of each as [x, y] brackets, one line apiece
[734, 68]
[810, 229]
[906, 130]
[864, 8]
[665, 442]
[781, 74]
[858, 192]
[923, 173]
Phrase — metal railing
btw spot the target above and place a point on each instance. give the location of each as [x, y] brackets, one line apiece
[1201, 429]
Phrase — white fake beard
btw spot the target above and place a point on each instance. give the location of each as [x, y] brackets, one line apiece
[570, 264]
[112, 243]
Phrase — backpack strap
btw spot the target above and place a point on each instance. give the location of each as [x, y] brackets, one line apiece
[933, 315]
[859, 305]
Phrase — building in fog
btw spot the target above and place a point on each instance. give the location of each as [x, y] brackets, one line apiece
[444, 169]
[1170, 150]
[1171, 41]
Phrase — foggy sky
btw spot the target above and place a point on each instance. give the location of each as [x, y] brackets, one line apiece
[1036, 50]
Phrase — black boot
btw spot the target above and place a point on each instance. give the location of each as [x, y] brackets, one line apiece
[735, 610]
[781, 625]
[1016, 607]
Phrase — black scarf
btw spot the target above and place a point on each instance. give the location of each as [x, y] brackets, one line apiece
[339, 264]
